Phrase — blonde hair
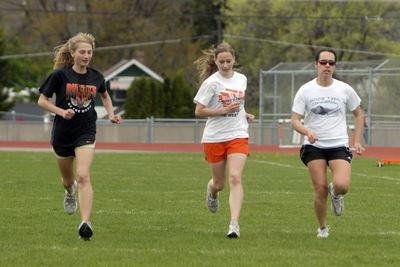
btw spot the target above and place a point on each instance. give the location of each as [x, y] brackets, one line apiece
[62, 57]
[206, 63]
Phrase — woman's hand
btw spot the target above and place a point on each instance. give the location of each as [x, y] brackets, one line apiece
[312, 137]
[234, 106]
[115, 118]
[358, 148]
[250, 117]
[68, 114]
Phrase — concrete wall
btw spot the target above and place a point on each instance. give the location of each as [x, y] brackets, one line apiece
[173, 131]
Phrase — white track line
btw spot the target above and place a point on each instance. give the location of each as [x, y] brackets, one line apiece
[305, 169]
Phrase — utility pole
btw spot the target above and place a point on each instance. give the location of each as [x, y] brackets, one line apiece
[219, 30]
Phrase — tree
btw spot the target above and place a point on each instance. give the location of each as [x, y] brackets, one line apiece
[147, 97]
[140, 98]
[182, 105]
[5, 103]
[291, 31]
[123, 29]
[206, 17]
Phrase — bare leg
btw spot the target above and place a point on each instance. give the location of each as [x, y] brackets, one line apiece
[84, 159]
[217, 182]
[66, 167]
[236, 164]
[341, 173]
[317, 170]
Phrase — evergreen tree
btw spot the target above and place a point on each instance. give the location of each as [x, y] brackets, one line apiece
[206, 18]
[5, 104]
[182, 105]
[147, 97]
[142, 99]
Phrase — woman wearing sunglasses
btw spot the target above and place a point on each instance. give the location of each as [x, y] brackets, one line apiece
[322, 103]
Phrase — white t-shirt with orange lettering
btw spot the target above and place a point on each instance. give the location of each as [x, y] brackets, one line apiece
[215, 92]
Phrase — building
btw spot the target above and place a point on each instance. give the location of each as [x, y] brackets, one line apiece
[118, 80]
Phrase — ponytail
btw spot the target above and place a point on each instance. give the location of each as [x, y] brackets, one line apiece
[62, 57]
[206, 63]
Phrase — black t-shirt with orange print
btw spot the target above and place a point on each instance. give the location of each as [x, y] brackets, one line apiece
[78, 92]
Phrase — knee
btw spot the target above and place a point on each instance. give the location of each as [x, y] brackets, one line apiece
[321, 192]
[341, 188]
[235, 180]
[218, 185]
[68, 183]
[83, 177]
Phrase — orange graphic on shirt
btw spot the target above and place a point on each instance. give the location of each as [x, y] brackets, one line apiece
[80, 95]
[228, 96]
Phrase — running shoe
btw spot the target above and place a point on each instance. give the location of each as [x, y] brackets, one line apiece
[71, 200]
[233, 231]
[323, 232]
[85, 230]
[337, 201]
[212, 202]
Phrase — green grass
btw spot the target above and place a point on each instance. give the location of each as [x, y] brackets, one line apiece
[149, 210]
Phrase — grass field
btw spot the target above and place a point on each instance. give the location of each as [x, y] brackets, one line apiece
[149, 210]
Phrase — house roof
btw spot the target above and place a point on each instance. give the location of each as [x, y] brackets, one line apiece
[125, 64]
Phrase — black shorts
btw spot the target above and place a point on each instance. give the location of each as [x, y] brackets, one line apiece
[69, 151]
[309, 153]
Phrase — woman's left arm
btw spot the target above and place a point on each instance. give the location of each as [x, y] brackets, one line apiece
[106, 99]
[359, 124]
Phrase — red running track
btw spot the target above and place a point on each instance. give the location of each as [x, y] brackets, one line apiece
[371, 152]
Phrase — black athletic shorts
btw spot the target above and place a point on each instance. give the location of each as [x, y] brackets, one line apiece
[310, 152]
[66, 152]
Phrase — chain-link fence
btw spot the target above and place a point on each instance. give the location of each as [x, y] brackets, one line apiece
[376, 82]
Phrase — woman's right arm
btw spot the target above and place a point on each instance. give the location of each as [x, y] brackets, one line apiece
[299, 127]
[202, 111]
[44, 102]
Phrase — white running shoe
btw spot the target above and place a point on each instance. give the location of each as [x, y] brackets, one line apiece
[70, 199]
[323, 232]
[212, 202]
[337, 201]
[233, 231]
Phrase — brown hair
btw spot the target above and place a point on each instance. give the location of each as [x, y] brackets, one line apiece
[206, 63]
[62, 57]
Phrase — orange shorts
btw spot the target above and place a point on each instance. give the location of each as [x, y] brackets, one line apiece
[215, 152]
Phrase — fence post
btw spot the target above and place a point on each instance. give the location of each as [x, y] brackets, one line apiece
[196, 132]
[352, 136]
[150, 129]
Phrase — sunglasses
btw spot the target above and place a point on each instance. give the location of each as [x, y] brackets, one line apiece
[324, 62]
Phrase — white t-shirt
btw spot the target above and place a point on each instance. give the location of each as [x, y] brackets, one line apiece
[324, 111]
[217, 91]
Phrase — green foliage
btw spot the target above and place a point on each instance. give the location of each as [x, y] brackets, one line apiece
[5, 103]
[149, 210]
[292, 31]
[206, 18]
[181, 103]
[4, 70]
[21, 74]
[139, 102]
[147, 97]
[29, 73]
[263, 32]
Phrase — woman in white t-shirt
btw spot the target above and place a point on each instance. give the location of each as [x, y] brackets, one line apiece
[322, 103]
[221, 99]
